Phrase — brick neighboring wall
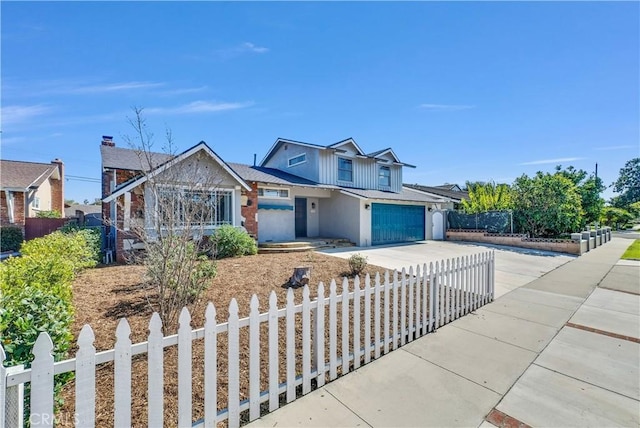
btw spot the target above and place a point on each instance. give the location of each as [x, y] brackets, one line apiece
[571, 247]
[18, 207]
[250, 212]
[57, 189]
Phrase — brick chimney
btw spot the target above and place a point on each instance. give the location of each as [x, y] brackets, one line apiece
[57, 188]
[107, 140]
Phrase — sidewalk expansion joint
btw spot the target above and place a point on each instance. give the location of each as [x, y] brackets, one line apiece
[620, 291]
[603, 332]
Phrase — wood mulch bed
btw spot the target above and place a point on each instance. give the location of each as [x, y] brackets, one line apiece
[105, 294]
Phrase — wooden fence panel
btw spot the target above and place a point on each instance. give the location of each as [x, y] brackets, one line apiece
[35, 227]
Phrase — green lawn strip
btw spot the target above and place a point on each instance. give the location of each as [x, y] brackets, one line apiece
[633, 252]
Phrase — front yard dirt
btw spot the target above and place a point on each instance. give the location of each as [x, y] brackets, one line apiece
[104, 295]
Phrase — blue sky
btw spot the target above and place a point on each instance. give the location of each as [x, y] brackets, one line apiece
[464, 91]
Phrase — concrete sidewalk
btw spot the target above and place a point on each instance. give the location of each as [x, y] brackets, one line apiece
[563, 350]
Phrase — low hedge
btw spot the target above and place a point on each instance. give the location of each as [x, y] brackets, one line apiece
[10, 238]
[36, 296]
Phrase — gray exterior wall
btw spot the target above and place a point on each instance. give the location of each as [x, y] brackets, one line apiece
[308, 169]
[276, 225]
[341, 218]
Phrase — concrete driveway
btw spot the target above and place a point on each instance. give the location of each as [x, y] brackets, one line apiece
[515, 267]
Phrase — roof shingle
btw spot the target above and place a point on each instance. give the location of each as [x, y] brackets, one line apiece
[21, 175]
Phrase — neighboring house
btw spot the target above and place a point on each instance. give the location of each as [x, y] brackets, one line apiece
[86, 215]
[299, 190]
[450, 191]
[29, 187]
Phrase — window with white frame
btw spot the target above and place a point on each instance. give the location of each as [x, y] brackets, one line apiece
[188, 207]
[384, 176]
[345, 169]
[297, 160]
[273, 193]
[36, 202]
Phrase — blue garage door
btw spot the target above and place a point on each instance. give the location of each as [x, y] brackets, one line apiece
[396, 223]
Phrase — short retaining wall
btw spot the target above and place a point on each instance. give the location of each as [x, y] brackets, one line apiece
[579, 243]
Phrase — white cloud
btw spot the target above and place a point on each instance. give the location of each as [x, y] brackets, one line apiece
[17, 114]
[184, 91]
[198, 107]
[550, 161]
[250, 47]
[113, 87]
[445, 107]
[616, 147]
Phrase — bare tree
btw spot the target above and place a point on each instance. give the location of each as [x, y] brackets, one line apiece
[176, 208]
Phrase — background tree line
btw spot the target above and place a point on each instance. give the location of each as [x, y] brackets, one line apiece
[558, 203]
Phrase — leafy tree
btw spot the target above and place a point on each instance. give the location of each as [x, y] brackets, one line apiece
[487, 197]
[546, 205]
[615, 217]
[589, 188]
[627, 184]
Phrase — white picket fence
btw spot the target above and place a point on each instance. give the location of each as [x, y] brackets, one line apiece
[390, 313]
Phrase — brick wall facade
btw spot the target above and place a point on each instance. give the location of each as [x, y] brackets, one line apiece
[249, 210]
[57, 188]
[18, 207]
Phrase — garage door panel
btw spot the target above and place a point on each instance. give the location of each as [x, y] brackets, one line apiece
[396, 223]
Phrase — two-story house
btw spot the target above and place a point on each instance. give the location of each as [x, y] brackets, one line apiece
[299, 190]
[356, 195]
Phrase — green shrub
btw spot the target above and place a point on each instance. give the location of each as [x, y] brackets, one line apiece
[10, 238]
[47, 272]
[49, 214]
[357, 263]
[72, 246]
[36, 296]
[233, 242]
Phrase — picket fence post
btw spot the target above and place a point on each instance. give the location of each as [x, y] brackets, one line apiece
[122, 375]
[233, 404]
[367, 319]
[345, 326]
[184, 368]
[385, 332]
[306, 341]
[319, 357]
[85, 379]
[291, 347]
[274, 378]
[356, 322]
[333, 331]
[210, 368]
[376, 317]
[254, 359]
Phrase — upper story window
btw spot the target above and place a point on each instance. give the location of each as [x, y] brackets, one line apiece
[384, 176]
[264, 192]
[345, 169]
[297, 160]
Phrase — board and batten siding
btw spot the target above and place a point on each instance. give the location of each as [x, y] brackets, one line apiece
[365, 172]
